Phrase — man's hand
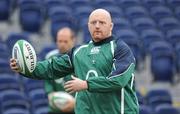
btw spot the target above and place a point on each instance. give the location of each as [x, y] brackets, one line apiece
[75, 85]
[14, 66]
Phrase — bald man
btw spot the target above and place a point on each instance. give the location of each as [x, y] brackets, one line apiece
[103, 68]
[65, 41]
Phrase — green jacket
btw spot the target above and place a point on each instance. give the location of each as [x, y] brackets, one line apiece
[108, 66]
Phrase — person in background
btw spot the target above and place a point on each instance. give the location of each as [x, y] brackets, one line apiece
[65, 41]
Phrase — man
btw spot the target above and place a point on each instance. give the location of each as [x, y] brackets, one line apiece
[104, 79]
[64, 41]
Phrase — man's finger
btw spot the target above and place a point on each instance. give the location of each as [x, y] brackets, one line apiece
[69, 89]
[68, 82]
[67, 86]
[73, 77]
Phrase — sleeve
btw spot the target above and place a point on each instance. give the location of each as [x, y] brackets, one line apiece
[54, 68]
[123, 68]
[48, 86]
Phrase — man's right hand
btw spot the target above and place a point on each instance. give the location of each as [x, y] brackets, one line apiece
[14, 66]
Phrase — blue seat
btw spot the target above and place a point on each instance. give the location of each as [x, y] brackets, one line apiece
[128, 3]
[5, 9]
[4, 51]
[59, 11]
[31, 84]
[86, 34]
[149, 36]
[13, 37]
[9, 82]
[53, 3]
[115, 11]
[4, 66]
[16, 111]
[166, 109]
[173, 3]
[38, 93]
[78, 3]
[173, 36]
[177, 48]
[136, 12]
[143, 23]
[42, 110]
[120, 23]
[157, 97]
[168, 23]
[103, 3]
[45, 50]
[152, 3]
[145, 110]
[162, 61]
[35, 10]
[141, 98]
[159, 12]
[59, 21]
[177, 12]
[83, 11]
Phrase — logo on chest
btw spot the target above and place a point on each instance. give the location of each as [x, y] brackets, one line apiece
[95, 50]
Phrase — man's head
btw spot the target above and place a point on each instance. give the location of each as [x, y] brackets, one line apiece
[65, 39]
[100, 24]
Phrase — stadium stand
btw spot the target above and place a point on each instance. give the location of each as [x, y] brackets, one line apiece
[151, 28]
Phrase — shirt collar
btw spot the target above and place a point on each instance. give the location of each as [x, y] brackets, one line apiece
[106, 40]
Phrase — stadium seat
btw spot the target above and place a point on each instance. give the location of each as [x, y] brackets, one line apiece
[58, 21]
[173, 36]
[158, 97]
[143, 23]
[128, 3]
[120, 23]
[31, 85]
[53, 3]
[42, 110]
[141, 99]
[145, 110]
[166, 109]
[177, 48]
[35, 10]
[9, 82]
[162, 61]
[86, 34]
[16, 111]
[168, 23]
[177, 12]
[173, 3]
[59, 11]
[159, 12]
[149, 36]
[5, 9]
[136, 12]
[13, 37]
[4, 51]
[152, 3]
[78, 3]
[103, 3]
[45, 50]
[83, 12]
[115, 11]
[4, 66]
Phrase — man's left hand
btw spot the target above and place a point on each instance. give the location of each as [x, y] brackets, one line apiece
[75, 85]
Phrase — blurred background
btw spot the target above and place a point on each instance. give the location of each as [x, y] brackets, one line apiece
[150, 27]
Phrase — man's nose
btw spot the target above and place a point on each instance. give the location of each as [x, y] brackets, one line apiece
[97, 25]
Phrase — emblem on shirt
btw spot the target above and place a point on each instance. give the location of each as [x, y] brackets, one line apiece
[95, 50]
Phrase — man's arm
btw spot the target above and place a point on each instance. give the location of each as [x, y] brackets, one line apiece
[54, 68]
[121, 74]
[123, 69]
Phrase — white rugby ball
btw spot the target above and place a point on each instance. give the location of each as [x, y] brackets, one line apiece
[59, 100]
[25, 56]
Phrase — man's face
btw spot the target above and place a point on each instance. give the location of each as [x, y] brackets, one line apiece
[100, 26]
[64, 41]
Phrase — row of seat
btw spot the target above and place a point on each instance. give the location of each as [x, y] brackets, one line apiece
[136, 16]
[22, 95]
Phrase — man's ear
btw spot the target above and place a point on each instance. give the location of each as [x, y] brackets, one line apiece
[112, 25]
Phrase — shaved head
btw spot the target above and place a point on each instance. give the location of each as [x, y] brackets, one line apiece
[65, 39]
[100, 24]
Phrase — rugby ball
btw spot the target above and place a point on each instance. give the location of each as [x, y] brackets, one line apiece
[60, 100]
[25, 56]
